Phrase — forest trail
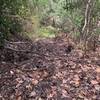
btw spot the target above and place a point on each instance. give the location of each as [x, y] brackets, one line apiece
[53, 69]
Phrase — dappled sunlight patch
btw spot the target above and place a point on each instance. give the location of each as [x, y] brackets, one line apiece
[46, 32]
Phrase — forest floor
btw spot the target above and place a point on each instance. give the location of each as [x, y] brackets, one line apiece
[51, 70]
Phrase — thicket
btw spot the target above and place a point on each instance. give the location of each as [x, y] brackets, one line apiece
[48, 17]
[11, 12]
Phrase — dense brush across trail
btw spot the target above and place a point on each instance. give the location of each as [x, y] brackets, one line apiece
[48, 69]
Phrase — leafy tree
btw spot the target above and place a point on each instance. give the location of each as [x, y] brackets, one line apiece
[11, 12]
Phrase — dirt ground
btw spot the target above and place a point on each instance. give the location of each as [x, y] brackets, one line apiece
[52, 69]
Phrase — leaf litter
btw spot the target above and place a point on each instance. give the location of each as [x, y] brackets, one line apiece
[53, 69]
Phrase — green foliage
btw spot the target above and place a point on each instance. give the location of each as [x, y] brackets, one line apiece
[11, 12]
[47, 32]
[74, 10]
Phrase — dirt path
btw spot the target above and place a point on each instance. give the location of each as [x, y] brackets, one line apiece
[53, 70]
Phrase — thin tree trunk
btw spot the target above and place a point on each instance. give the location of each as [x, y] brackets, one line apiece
[87, 19]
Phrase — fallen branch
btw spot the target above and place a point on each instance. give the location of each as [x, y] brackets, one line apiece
[19, 42]
[28, 50]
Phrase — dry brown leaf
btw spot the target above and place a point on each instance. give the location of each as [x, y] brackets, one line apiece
[64, 81]
[76, 77]
[33, 93]
[77, 83]
[76, 80]
[98, 70]
[94, 82]
[29, 87]
[40, 99]
[34, 82]
[19, 98]
[98, 78]
[11, 72]
[19, 80]
[45, 74]
[36, 74]
[64, 93]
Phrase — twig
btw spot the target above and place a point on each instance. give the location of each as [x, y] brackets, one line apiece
[19, 42]
[28, 50]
